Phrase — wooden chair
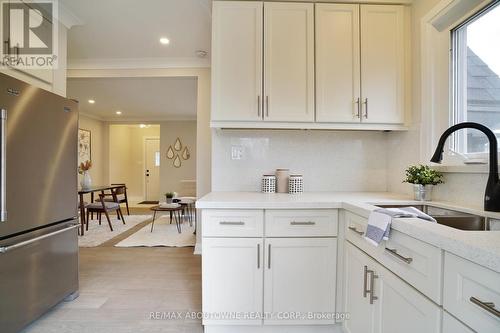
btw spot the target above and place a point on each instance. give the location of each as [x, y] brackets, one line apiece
[121, 194]
[105, 206]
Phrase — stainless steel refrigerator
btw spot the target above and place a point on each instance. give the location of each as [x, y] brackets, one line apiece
[38, 202]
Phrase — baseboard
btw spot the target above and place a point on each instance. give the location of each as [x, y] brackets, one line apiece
[197, 249]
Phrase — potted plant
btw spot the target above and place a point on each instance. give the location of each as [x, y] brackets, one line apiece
[423, 179]
[83, 169]
[170, 196]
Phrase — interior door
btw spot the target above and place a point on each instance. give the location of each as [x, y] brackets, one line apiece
[152, 171]
[289, 62]
[382, 63]
[298, 279]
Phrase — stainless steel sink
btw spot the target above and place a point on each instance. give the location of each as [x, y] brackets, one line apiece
[450, 218]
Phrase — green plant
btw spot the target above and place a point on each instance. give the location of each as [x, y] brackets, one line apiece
[170, 194]
[423, 175]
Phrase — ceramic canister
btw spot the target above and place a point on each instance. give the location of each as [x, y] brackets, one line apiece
[282, 180]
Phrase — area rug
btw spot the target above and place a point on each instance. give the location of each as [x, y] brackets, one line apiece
[150, 202]
[98, 234]
[164, 234]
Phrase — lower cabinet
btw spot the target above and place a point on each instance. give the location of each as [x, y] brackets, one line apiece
[379, 301]
[271, 281]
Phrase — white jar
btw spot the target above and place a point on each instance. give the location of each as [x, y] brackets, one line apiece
[282, 180]
[268, 184]
[295, 184]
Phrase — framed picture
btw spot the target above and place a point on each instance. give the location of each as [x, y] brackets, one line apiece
[84, 145]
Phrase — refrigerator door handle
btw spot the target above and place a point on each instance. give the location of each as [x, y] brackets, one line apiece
[5, 249]
[3, 162]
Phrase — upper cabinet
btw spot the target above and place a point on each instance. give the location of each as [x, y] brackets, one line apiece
[304, 65]
[237, 60]
[360, 63]
[289, 62]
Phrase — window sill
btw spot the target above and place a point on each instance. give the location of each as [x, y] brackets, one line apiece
[463, 168]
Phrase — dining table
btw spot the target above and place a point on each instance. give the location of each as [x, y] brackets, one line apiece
[91, 190]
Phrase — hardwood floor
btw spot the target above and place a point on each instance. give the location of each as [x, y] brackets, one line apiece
[125, 289]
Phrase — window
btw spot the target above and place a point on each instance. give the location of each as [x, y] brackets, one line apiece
[476, 78]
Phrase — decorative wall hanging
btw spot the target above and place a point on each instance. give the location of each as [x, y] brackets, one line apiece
[178, 153]
[186, 154]
[170, 153]
[178, 145]
[84, 145]
[177, 161]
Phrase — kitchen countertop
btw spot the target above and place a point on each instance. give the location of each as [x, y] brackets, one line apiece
[481, 247]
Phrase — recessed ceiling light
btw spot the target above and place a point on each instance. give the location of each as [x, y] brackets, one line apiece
[91, 101]
[118, 112]
[164, 41]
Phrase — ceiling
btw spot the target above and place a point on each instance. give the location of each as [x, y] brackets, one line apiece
[131, 29]
[139, 99]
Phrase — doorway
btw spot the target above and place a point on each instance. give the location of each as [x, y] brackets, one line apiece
[151, 169]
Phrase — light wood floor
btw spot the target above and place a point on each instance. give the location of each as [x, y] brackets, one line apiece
[121, 287]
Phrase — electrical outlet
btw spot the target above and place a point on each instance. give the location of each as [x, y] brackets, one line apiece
[236, 152]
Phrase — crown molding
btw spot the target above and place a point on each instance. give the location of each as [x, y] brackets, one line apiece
[135, 120]
[141, 63]
[67, 17]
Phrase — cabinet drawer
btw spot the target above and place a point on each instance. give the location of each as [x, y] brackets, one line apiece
[233, 223]
[301, 223]
[416, 262]
[452, 325]
[472, 293]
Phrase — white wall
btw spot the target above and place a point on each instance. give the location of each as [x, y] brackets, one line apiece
[329, 161]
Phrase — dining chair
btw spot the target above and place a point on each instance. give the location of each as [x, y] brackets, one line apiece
[104, 206]
[121, 194]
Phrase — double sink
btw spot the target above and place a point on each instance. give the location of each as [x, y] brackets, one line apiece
[450, 218]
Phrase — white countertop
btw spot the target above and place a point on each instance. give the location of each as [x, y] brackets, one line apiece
[481, 247]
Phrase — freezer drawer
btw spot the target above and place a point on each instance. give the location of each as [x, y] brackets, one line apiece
[36, 274]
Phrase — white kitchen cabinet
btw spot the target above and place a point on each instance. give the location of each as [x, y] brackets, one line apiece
[337, 63]
[382, 63]
[452, 325]
[232, 279]
[362, 314]
[237, 60]
[289, 62]
[380, 302]
[300, 278]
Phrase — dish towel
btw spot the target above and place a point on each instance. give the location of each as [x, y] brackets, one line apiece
[379, 222]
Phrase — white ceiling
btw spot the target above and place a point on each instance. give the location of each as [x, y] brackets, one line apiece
[130, 29]
[139, 99]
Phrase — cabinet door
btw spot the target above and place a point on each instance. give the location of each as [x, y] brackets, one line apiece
[399, 307]
[237, 60]
[232, 271]
[299, 279]
[356, 303]
[289, 62]
[382, 64]
[337, 63]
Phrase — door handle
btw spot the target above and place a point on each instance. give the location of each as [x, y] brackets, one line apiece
[372, 285]
[267, 106]
[366, 108]
[488, 306]
[258, 256]
[395, 253]
[356, 230]
[258, 106]
[269, 256]
[357, 112]
[3, 166]
[302, 223]
[365, 281]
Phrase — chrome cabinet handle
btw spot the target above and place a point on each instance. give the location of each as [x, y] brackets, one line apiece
[488, 306]
[356, 231]
[302, 223]
[231, 223]
[267, 106]
[395, 253]
[3, 166]
[258, 106]
[258, 256]
[269, 256]
[357, 114]
[366, 108]
[5, 249]
[365, 281]
[372, 285]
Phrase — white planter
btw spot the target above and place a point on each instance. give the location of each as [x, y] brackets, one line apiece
[422, 192]
[86, 181]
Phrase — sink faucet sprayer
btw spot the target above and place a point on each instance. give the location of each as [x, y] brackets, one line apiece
[492, 193]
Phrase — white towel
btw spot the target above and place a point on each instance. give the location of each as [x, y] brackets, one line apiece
[379, 222]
